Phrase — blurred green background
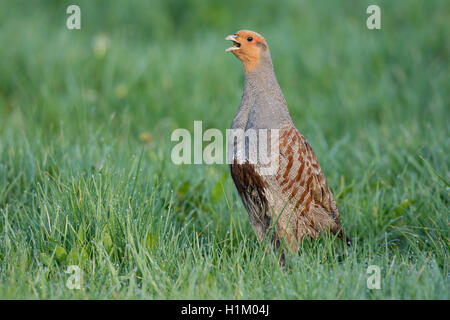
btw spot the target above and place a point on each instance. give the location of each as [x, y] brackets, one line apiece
[85, 123]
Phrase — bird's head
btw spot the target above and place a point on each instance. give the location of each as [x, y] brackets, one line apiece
[249, 47]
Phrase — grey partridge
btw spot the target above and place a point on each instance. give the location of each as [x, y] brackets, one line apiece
[295, 201]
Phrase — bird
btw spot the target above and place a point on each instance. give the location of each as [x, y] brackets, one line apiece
[294, 201]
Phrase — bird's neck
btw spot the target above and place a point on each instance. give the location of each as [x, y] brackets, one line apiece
[261, 91]
[262, 80]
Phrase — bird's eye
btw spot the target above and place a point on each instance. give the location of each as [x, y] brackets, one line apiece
[250, 39]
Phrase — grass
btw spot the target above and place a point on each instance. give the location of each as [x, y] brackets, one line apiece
[85, 171]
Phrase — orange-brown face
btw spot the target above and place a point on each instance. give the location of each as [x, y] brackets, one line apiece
[247, 46]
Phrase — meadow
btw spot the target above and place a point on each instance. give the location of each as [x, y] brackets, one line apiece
[86, 177]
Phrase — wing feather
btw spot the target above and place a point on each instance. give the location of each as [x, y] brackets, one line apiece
[299, 192]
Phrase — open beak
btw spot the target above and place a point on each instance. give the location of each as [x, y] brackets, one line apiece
[236, 44]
